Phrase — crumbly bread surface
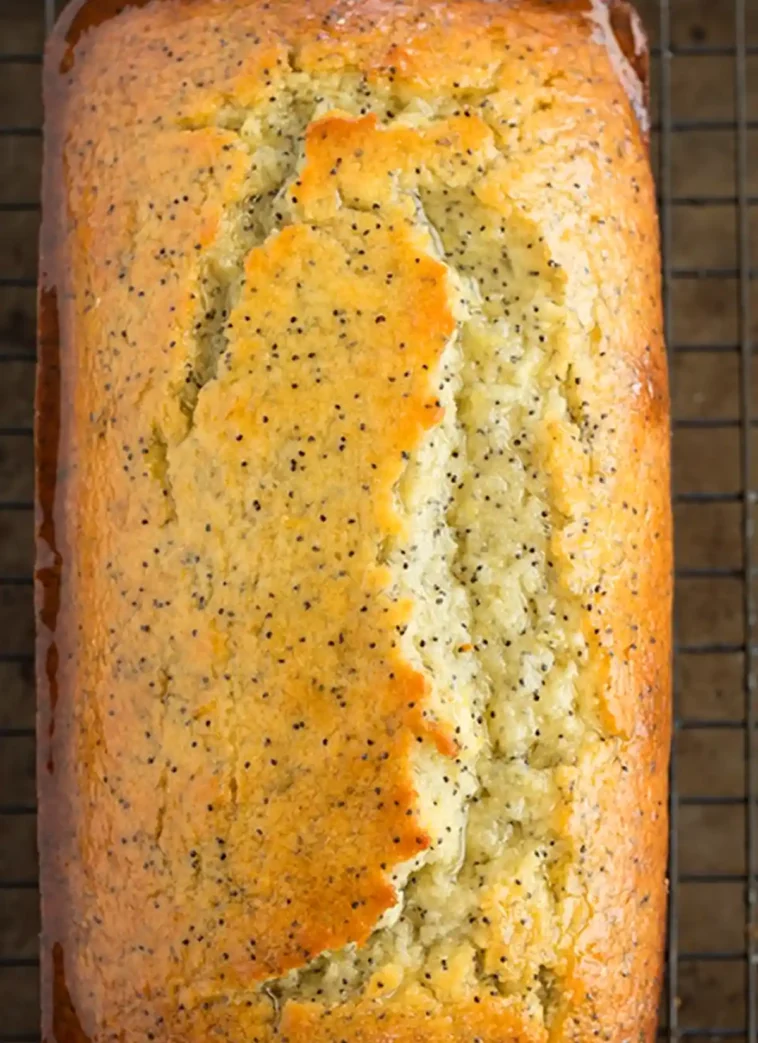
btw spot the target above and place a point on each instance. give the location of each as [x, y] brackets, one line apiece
[356, 726]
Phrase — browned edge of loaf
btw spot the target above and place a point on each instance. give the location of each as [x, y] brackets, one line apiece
[56, 677]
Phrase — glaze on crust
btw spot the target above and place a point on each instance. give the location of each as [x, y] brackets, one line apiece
[354, 536]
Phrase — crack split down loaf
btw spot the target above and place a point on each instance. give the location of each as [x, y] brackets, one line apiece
[353, 525]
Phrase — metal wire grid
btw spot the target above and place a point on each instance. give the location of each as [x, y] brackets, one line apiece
[742, 271]
[18, 886]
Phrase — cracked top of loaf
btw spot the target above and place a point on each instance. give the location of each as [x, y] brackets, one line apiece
[354, 541]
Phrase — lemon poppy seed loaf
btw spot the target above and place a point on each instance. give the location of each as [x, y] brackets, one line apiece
[354, 538]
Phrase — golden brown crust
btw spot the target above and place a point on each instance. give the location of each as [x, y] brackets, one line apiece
[150, 76]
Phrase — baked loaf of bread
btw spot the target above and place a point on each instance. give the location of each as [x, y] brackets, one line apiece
[354, 549]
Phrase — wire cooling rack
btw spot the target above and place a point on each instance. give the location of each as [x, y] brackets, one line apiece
[705, 81]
